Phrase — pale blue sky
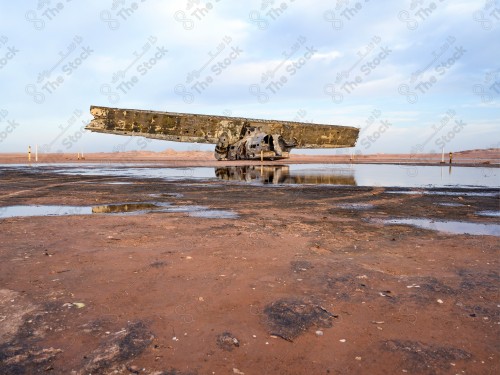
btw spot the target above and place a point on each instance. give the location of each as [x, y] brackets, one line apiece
[413, 75]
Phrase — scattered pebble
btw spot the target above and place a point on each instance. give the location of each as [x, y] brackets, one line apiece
[342, 340]
[188, 257]
[319, 333]
[358, 358]
[439, 301]
[227, 341]
[236, 371]
[254, 336]
[78, 305]
[175, 338]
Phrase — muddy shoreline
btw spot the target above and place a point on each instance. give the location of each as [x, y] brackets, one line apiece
[303, 279]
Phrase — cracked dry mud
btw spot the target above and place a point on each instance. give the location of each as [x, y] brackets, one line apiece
[167, 292]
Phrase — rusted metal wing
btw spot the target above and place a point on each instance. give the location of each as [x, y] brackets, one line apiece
[184, 127]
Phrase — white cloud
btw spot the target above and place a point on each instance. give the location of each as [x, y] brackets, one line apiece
[327, 56]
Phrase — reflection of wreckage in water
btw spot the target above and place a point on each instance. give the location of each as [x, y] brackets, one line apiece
[123, 208]
[281, 174]
[235, 137]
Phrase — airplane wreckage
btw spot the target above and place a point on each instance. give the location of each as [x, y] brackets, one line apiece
[235, 138]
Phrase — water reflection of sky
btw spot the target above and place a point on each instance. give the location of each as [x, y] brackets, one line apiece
[125, 208]
[425, 176]
[384, 175]
[453, 227]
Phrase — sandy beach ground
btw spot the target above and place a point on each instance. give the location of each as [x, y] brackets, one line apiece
[201, 158]
[214, 277]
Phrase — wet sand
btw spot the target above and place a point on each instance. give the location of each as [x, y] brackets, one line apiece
[305, 280]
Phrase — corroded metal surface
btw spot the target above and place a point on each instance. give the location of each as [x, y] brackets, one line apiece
[235, 137]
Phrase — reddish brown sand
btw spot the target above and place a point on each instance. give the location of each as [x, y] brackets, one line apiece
[167, 293]
[200, 158]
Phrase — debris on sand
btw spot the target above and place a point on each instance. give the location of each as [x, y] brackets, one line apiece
[227, 341]
[120, 346]
[290, 317]
[422, 357]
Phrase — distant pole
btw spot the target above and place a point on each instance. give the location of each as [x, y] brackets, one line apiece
[78, 156]
[442, 155]
[451, 156]
[36, 153]
[29, 154]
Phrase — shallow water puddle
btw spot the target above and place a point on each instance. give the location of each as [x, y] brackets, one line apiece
[445, 193]
[118, 183]
[489, 213]
[187, 208]
[214, 214]
[24, 211]
[127, 208]
[355, 206]
[453, 227]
